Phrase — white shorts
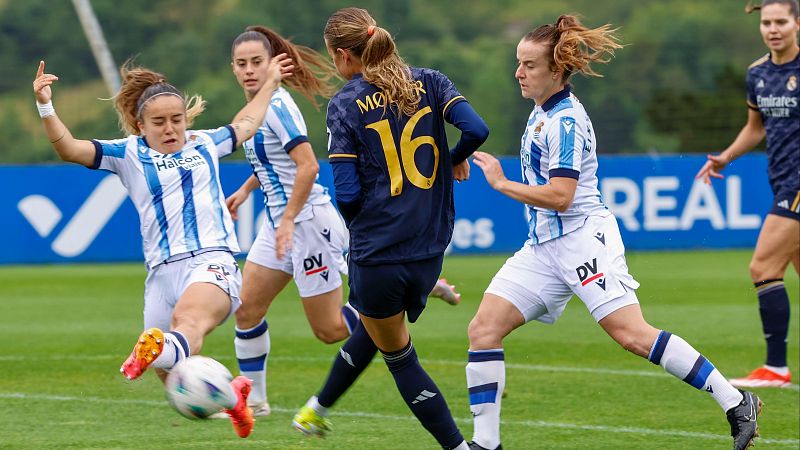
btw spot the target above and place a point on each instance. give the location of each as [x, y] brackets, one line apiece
[167, 281]
[318, 252]
[588, 262]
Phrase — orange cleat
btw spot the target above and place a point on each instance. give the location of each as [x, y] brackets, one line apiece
[146, 350]
[241, 414]
[446, 292]
[763, 377]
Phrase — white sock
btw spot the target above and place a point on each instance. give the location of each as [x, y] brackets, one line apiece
[681, 360]
[779, 370]
[176, 349]
[486, 379]
[252, 349]
[313, 403]
[462, 446]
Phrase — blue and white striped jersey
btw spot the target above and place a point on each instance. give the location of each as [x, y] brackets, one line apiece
[178, 196]
[268, 152]
[559, 142]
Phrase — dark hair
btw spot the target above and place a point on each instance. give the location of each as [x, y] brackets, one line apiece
[573, 47]
[355, 30]
[793, 7]
[140, 85]
[313, 73]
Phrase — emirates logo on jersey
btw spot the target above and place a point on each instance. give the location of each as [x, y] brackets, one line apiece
[791, 84]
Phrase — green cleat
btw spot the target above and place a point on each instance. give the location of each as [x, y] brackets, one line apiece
[310, 422]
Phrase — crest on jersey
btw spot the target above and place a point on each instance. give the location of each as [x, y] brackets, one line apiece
[791, 84]
[538, 129]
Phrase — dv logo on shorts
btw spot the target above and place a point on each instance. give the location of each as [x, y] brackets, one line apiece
[588, 273]
[313, 265]
[219, 272]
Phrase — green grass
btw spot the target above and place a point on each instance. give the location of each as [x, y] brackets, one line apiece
[64, 331]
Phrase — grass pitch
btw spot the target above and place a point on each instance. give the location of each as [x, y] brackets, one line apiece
[65, 330]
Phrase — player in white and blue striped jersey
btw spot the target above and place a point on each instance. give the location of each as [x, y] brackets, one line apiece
[172, 176]
[574, 245]
[303, 237]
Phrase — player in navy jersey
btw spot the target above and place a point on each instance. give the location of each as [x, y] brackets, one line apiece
[393, 173]
[171, 174]
[574, 245]
[303, 237]
[773, 91]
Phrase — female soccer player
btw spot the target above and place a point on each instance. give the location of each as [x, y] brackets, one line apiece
[304, 237]
[574, 245]
[171, 174]
[772, 101]
[394, 186]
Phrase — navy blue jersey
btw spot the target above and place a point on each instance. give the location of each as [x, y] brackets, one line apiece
[773, 91]
[404, 168]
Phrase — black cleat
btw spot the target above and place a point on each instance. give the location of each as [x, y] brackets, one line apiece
[742, 418]
[474, 446]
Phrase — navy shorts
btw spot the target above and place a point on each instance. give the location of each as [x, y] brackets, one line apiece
[787, 204]
[387, 289]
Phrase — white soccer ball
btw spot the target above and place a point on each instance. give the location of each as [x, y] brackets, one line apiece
[198, 387]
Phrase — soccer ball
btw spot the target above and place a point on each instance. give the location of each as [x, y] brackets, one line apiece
[198, 387]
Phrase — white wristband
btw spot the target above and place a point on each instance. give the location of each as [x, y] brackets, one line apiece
[46, 110]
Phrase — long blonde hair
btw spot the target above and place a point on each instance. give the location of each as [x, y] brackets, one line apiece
[313, 73]
[355, 30]
[573, 47]
[140, 85]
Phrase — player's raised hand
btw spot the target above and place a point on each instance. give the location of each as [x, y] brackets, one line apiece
[712, 168]
[280, 67]
[491, 168]
[41, 84]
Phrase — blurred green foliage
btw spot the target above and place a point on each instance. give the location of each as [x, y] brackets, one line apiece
[677, 86]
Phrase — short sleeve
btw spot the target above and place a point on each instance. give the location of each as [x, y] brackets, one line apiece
[565, 141]
[341, 147]
[285, 120]
[224, 139]
[752, 101]
[109, 154]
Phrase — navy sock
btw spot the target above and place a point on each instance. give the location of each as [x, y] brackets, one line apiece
[354, 356]
[774, 308]
[422, 396]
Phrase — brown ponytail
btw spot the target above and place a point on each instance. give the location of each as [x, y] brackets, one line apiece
[140, 85]
[355, 30]
[574, 47]
[313, 73]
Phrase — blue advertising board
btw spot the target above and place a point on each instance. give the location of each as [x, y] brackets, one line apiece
[66, 213]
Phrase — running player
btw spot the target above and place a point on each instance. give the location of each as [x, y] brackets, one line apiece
[394, 186]
[772, 101]
[171, 174]
[574, 245]
[303, 237]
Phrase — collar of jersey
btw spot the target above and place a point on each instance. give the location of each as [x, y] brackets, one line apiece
[555, 98]
[143, 143]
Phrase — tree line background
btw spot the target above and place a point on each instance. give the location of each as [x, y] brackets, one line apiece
[677, 86]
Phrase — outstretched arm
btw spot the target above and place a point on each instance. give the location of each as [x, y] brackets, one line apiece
[752, 133]
[557, 194]
[68, 148]
[249, 118]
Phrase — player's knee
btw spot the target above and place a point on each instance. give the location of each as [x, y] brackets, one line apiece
[330, 334]
[482, 334]
[633, 342]
[249, 315]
